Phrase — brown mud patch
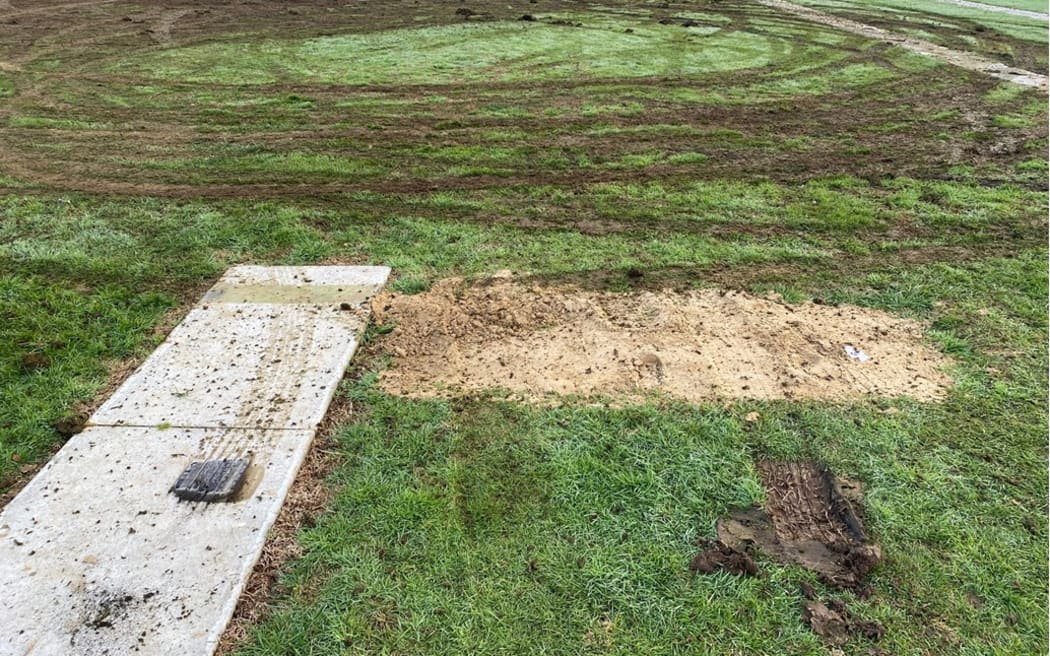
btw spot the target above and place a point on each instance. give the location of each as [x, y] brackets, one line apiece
[697, 345]
[832, 620]
[810, 520]
[719, 557]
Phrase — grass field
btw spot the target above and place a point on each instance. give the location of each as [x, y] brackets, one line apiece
[144, 149]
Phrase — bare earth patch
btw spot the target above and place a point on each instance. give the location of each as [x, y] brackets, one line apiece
[697, 345]
[809, 519]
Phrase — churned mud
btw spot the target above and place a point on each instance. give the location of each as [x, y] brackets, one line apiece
[809, 519]
[698, 345]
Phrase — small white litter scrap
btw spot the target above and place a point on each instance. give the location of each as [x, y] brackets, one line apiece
[855, 353]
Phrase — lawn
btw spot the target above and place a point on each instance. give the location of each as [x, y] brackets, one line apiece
[612, 146]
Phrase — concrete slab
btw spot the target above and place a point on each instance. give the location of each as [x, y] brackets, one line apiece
[240, 365]
[271, 362]
[318, 285]
[307, 277]
[97, 556]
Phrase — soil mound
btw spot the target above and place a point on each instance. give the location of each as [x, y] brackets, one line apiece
[697, 345]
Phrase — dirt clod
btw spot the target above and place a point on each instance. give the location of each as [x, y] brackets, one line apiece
[69, 426]
[699, 345]
[834, 622]
[34, 361]
[826, 623]
[719, 557]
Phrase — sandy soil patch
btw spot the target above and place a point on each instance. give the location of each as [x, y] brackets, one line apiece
[698, 345]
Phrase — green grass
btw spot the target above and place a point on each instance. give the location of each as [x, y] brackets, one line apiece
[497, 51]
[1012, 121]
[1003, 93]
[234, 166]
[835, 205]
[799, 81]
[753, 151]
[484, 526]
[54, 123]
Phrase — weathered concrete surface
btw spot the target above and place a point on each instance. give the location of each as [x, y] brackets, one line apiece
[97, 555]
[270, 362]
[240, 365]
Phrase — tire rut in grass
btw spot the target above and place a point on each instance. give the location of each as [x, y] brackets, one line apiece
[810, 520]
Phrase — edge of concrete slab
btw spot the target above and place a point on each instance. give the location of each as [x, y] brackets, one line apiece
[97, 546]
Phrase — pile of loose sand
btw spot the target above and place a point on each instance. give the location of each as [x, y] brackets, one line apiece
[699, 345]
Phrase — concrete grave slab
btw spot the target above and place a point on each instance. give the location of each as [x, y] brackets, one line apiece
[98, 555]
[265, 348]
[317, 285]
[243, 365]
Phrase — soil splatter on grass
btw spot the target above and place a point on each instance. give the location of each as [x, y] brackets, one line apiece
[718, 557]
[697, 345]
[808, 520]
[834, 622]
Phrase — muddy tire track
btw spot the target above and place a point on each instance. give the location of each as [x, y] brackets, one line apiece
[966, 60]
[996, 8]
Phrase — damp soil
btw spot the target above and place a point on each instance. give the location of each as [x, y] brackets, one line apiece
[538, 342]
[716, 556]
[810, 519]
[832, 620]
